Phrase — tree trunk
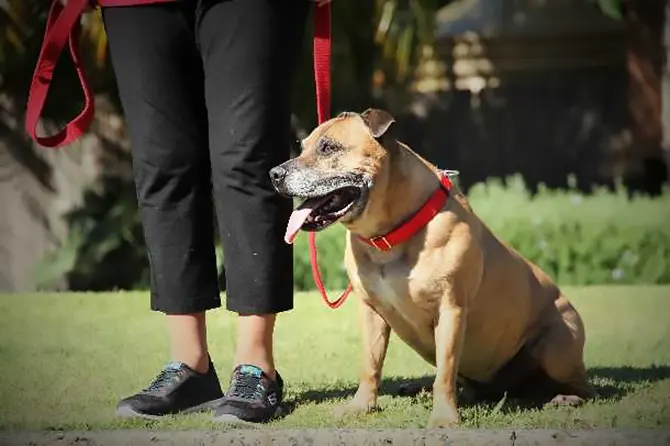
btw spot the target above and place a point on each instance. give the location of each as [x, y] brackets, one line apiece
[645, 20]
[665, 99]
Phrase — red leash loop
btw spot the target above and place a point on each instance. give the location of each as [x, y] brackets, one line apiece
[62, 27]
[322, 51]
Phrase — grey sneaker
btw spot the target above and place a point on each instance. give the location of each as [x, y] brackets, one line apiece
[252, 396]
[177, 389]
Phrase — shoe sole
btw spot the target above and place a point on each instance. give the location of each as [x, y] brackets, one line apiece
[128, 412]
[233, 419]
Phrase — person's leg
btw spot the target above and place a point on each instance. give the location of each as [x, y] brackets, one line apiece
[188, 340]
[250, 49]
[161, 85]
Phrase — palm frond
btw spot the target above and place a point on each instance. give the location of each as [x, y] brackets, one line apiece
[403, 29]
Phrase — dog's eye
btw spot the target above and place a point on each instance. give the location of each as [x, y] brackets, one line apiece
[327, 147]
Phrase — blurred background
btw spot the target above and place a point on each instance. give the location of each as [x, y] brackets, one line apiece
[555, 112]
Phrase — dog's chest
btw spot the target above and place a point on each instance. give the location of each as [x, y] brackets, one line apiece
[403, 301]
[393, 285]
[388, 284]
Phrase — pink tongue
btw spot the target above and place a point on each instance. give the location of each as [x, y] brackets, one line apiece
[296, 221]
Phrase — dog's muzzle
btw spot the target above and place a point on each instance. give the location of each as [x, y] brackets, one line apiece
[328, 197]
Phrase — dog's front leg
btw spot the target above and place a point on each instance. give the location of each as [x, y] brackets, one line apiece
[375, 333]
[449, 334]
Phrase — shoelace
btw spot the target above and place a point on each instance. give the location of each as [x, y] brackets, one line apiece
[247, 387]
[165, 377]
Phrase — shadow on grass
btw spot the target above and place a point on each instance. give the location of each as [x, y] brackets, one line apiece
[624, 380]
[396, 386]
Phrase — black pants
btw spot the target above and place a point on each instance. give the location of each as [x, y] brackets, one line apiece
[205, 91]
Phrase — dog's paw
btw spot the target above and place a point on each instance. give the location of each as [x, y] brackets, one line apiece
[440, 419]
[566, 400]
[355, 407]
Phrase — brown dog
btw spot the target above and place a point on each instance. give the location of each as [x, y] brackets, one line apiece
[465, 301]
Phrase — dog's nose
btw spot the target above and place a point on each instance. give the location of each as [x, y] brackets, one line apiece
[277, 174]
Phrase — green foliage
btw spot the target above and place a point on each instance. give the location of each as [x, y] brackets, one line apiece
[611, 8]
[578, 239]
[105, 247]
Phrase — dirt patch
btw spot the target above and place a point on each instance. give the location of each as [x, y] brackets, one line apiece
[318, 437]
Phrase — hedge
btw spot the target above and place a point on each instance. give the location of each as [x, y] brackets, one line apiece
[602, 238]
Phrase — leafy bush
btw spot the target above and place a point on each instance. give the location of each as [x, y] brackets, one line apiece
[105, 245]
[604, 237]
[105, 249]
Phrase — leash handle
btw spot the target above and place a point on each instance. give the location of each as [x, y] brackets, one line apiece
[322, 53]
[63, 27]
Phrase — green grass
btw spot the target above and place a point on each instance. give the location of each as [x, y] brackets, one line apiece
[67, 358]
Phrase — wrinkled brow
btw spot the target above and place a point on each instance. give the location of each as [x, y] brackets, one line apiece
[328, 145]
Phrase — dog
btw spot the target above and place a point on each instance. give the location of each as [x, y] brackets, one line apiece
[482, 314]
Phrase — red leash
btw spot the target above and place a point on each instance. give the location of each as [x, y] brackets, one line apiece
[322, 51]
[62, 27]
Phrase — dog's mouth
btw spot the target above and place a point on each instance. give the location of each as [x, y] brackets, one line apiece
[315, 214]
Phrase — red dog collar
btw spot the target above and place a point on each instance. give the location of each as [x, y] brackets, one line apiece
[420, 219]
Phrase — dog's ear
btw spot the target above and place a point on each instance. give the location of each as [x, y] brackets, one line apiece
[378, 121]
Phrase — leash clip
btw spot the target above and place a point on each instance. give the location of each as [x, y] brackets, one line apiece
[387, 245]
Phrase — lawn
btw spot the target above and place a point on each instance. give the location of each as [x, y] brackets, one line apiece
[67, 358]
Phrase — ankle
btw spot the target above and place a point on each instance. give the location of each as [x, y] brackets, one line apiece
[188, 340]
[199, 363]
[255, 342]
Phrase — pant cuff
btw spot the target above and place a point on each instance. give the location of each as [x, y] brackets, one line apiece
[186, 306]
[280, 306]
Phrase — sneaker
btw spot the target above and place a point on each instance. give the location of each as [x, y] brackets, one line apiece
[177, 389]
[252, 396]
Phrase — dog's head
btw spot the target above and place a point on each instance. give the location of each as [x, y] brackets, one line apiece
[341, 161]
